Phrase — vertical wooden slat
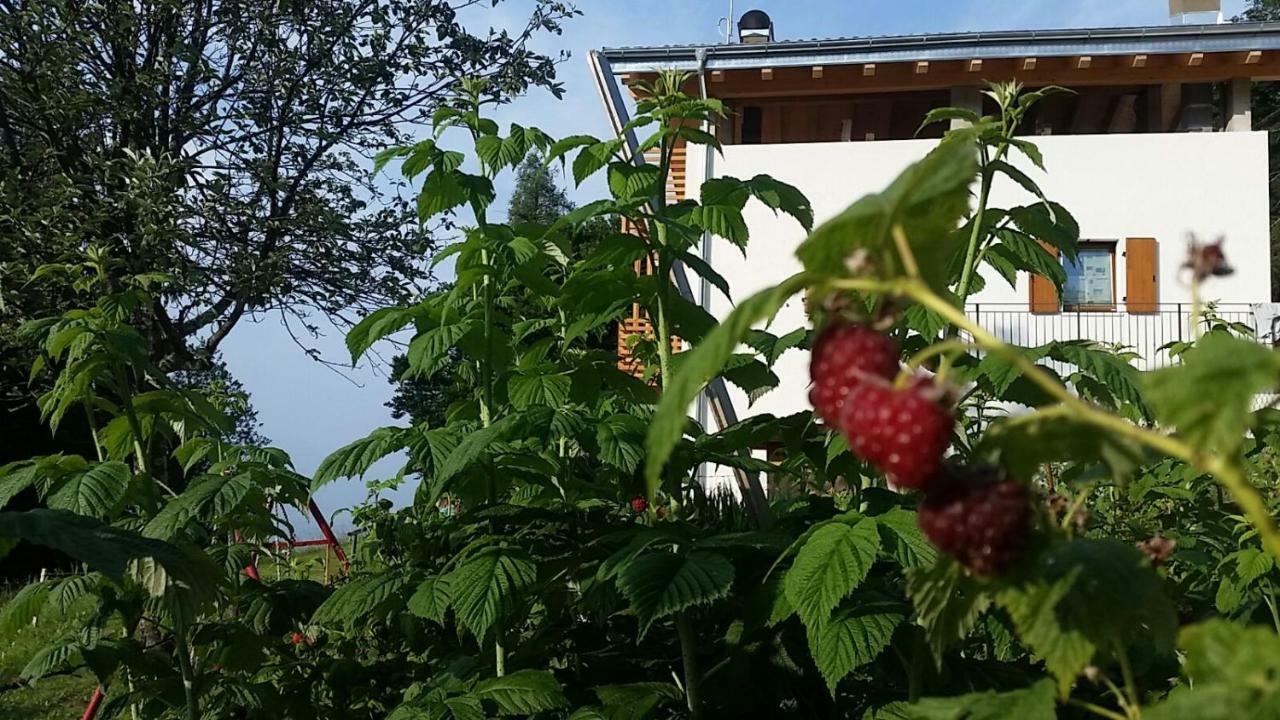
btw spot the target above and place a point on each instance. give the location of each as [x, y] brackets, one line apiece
[1044, 296]
[771, 125]
[637, 321]
[1141, 290]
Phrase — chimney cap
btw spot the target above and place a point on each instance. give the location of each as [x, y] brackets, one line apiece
[755, 20]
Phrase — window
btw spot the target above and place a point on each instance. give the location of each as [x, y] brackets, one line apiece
[1091, 279]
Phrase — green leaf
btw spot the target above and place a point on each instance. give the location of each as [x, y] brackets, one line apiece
[429, 349]
[543, 390]
[374, 327]
[1017, 176]
[593, 157]
[628, 181]
[486, 587]
[60, 654]
[474, 445]
[1088, 596]
[1231, 671]
[947, 114]
[948, 603]
[362, 599]
[780, 196]
[523, 692]
[831, 564]
[109, 550]
[95, 492]
[354, 459]
[852, 637]
[927, 201]
[661, 583]
[636, 701]
[900, 533]
[23, 607]
[1023, 253]
[700, 365]
[431, 600]
[621, 441]
[1033, 703]
[1236, 370]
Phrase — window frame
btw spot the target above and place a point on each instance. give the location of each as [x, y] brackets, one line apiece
[1112, 247]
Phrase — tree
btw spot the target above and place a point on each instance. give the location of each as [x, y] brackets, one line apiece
[224, 143]
[536, 200]
[1266, 116]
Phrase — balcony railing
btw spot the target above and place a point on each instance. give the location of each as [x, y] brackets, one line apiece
[1146, 334]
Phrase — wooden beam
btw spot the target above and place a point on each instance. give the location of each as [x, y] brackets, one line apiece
[717, 76]
[1084, 62]
[975, 65]
[1195, 59]
[817, 72]
[843, 81]
[1253, 57]
[1029, 64]
[922, 67]
[1139, 61]
[766, 73]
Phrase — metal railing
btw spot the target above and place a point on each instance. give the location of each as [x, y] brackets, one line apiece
[1146, 334]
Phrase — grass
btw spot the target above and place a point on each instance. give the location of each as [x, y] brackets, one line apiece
[60, 697]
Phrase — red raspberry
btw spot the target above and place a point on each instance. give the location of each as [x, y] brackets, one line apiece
[639, 504]
[903, 432]
[979, 518]
[296, 638]
[844, 356]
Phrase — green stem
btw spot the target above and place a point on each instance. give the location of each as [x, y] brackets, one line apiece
[499, 655]
[93, 427]
[1096, 709]
[1134, 705]
[185, 668]
[689, 657]
[975, 235]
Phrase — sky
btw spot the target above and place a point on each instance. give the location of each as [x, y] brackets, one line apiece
[310, 409]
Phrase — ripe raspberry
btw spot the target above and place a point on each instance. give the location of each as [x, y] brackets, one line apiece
[979, 518]
[844, 356]
[296, 638]
[639, 504]
[904, 432]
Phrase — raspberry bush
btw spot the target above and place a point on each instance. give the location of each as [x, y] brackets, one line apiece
[1106, 550]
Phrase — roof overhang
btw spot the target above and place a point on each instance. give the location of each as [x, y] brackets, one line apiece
[1161, 40]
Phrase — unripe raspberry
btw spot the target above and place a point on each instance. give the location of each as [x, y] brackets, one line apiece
[903, 432]
[979, 518]
[844, 356]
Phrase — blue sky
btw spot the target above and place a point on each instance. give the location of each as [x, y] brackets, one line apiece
[309, 409]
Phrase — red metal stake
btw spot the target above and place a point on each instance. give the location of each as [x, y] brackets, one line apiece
[94, 703]
[328, 534]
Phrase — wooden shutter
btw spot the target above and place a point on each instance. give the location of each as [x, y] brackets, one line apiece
[1044, 296]
[1140, 275]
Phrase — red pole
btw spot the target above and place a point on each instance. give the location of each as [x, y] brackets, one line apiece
[328, 534]
[94, 703]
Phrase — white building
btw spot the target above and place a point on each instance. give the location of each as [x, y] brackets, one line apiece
[1156, 144]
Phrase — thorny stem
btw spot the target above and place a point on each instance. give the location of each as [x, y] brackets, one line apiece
[1224, 469]
[1134, 705]
[945, 348]
[184, 667]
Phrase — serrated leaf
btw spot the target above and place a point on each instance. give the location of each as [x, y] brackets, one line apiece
[542, 390]
[94, 492]
[361, 599]
[948, 603]
[1033, 703]
[1235, 368]
[621, 441]
[431, 599]
[659, 584]
[635, 701]
[523, 692]
[901, 536]
[831, 564]
[702, 364]
[486, 587]
[354, 459]
[852, 637]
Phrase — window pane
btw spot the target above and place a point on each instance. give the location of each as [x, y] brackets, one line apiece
[1089, 278]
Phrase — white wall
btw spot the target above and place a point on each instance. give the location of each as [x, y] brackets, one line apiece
[1142, 185]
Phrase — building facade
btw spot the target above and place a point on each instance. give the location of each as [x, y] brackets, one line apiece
[1155, 144]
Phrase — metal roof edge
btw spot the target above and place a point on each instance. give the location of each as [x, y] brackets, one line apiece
[952, 46]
